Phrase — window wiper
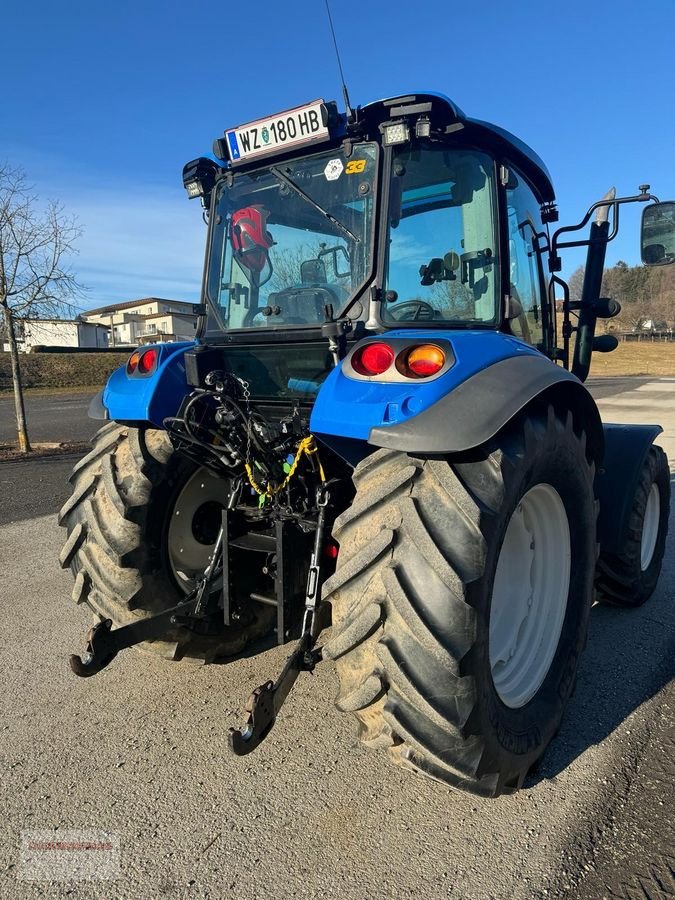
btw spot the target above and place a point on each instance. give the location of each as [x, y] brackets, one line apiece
[281, 176]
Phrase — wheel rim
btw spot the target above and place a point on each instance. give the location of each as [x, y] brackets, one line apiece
[193, 527]
[650, 527]
[529, 596]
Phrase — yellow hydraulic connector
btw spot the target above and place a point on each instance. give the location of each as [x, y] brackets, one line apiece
[306, 447]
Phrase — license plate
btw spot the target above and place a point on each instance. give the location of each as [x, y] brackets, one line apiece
[305, 124]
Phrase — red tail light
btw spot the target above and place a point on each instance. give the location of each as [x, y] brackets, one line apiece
[147, 361]
[373, 359]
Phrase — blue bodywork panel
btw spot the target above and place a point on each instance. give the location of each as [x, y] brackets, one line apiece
[149, 398]
[348, 408]
[344, 407]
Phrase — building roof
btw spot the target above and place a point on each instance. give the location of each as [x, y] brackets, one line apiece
[128, 304]
[163, 315]
[78, 321]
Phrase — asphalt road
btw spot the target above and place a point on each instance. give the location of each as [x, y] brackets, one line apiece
[140, 751]
[60, 417]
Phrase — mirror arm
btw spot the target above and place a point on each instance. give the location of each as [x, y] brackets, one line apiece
[614, 204]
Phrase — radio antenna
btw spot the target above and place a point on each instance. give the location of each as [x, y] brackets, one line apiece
[345, 94]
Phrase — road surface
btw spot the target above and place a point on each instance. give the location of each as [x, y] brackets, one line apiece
[59, 417]
[140, 752]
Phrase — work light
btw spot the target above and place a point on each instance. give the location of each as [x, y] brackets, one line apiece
[199, 176]
[423, 127]
[395, 133]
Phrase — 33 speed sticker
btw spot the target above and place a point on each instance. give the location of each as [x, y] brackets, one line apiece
[355, 166]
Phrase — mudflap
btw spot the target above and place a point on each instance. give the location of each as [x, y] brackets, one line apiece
[626, 447]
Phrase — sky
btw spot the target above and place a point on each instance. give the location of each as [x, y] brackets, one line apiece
[103, 103]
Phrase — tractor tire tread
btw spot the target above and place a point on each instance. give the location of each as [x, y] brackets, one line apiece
[117, 573]
[620, 580]
[403, 627]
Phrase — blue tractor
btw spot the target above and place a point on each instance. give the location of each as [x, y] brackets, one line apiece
[379, 427]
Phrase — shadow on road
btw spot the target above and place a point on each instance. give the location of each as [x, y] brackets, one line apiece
[630, 656]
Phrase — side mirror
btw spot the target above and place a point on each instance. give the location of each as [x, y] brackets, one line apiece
[657, 237]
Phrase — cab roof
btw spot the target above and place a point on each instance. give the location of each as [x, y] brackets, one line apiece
[444, 111]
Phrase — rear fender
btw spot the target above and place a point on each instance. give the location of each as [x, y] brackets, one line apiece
[493, 377]
[476, 410]
[626, 448]
[149, 399]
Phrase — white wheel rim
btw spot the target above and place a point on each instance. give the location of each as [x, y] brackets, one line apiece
[529, 596]
[191, 537]
[650, 527]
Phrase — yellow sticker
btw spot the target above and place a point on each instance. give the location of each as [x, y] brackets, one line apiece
[355, 166]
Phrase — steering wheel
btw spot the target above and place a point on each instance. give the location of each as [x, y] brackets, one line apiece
[413, 311]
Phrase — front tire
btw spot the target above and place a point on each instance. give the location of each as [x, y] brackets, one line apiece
[130, 551]
[426, 557]
[629, 578]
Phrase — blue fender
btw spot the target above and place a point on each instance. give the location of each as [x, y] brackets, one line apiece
[493, 377]
[149, 398]
[349, 408]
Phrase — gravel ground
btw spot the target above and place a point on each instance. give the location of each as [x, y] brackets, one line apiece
[140, 751]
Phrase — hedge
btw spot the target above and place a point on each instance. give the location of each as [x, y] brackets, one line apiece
[45, 370]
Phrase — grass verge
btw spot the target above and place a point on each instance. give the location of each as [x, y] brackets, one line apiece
[636, 358]
[52, 391]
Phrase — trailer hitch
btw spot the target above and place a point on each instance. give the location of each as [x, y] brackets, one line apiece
[265, 702]
[104, 642]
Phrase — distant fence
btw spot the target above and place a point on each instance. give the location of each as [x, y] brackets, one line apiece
[651, 336]
[44, 348]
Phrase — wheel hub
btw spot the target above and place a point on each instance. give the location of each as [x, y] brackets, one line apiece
[650, 527]
[529, 595]
[194, 525]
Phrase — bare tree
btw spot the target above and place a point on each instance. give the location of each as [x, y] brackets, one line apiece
[35, 280]
[663, 296]
[576, 282]
[287, 265]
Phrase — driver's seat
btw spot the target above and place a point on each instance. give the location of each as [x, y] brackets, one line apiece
[300, 306]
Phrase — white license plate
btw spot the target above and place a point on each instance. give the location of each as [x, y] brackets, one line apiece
[305, 124]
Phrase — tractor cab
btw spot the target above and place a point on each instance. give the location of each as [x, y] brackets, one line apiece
[404, 214]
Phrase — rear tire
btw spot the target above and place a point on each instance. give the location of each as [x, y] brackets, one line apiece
[414, 591]
[629, 578]
[122, 537]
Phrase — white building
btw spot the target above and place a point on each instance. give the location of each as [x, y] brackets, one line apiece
[58, 333]
[149, 320]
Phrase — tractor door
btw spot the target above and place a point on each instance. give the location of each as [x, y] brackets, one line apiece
[526, 310]
[443, 260]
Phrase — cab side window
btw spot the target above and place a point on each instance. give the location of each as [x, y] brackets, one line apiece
[527, 239]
